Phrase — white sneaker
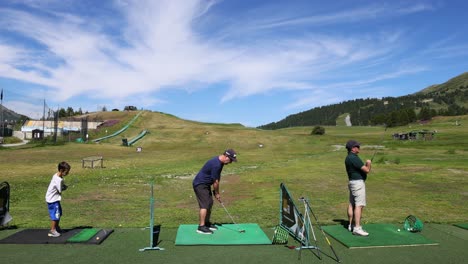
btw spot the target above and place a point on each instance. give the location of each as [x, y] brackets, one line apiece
[53, 233]
[350, 228]
[359, 231]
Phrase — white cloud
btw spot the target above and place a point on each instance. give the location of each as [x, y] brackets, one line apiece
[147, 47]
[161, 49]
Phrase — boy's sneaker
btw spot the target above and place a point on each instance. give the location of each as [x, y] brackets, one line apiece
[53, 233]
[350, 228]
[211, 226]
[204, 230]
[359, 231]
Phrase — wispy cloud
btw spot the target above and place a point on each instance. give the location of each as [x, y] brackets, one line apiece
[139, 49]
[374, 11]
[159, 37]
[446, 48]
[415, 8]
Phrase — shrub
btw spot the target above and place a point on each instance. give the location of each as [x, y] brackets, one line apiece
[318, 130]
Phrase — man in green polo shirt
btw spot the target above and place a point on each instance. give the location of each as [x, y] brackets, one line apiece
[357, 175]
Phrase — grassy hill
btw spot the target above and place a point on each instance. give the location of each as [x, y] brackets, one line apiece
[425, 178]
[453, 91]
[458, 82]
[447, 99]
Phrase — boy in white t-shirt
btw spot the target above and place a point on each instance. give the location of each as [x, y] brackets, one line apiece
[54, 196]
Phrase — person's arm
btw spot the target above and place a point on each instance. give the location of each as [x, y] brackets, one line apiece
[367, 167]
[58, 185]
[216, 190]
[64, 186]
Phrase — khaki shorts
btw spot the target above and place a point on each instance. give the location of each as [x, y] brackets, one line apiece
[357, 192]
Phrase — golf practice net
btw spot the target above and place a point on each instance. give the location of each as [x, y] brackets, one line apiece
[5, 217]
[290, 217]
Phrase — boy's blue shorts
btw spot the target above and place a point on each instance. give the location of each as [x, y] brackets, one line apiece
[55, 210]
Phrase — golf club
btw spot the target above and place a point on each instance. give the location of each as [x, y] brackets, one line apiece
[238, 228]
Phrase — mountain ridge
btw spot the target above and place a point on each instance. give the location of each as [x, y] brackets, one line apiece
[447, 99]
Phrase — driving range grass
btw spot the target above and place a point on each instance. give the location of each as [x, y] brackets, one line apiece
[424, 178]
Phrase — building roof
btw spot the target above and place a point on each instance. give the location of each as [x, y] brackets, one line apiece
[48, 126]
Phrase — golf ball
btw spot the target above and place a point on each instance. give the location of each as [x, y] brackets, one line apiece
[97, 238]
[398, 230]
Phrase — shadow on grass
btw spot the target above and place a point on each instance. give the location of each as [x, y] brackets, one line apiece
[344, 223]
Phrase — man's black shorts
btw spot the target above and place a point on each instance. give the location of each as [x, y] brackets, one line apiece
[204, 196]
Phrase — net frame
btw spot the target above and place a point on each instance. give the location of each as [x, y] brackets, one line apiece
[413, 224]
[280, 236]
[4, 202]
[291, 218]
[52, 125]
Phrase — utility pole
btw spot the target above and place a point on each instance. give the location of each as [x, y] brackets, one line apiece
[43, 121]
[3, 121]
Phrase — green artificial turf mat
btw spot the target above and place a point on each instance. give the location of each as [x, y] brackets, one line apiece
[227, 234]
[462, 225]
[83, 236]
[380, 235]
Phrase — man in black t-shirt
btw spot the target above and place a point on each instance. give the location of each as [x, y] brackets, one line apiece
[357, 174]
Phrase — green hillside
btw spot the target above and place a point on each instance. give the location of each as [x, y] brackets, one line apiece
[447, 99]
[457, 83]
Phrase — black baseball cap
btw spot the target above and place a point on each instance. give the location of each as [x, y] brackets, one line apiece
[352, 143]
[231, 154]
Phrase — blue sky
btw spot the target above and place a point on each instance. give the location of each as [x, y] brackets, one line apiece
[235, 61]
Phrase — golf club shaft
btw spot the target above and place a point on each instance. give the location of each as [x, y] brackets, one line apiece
[232, 219]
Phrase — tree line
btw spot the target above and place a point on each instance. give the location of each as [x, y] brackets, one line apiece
[389, 111]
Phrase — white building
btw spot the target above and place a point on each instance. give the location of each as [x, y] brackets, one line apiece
[34, 128]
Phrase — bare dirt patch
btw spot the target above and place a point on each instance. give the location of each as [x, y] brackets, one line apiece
[458, 171]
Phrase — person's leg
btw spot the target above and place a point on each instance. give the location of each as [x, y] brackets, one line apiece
[360, 195]
[203, 197]
[350, 215]
[208, 222]
[54, 215]
[210, 205]
[358, 200]
[58, 228]
[59, 213]
[357, 215]
[351, 206]
[357, 230]
[53, 225]
[202, 218]
[208, 216]
[200, 193]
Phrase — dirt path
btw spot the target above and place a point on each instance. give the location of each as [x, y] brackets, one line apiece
[348, 120]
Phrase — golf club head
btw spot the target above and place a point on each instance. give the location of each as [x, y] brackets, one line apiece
[242, 231]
